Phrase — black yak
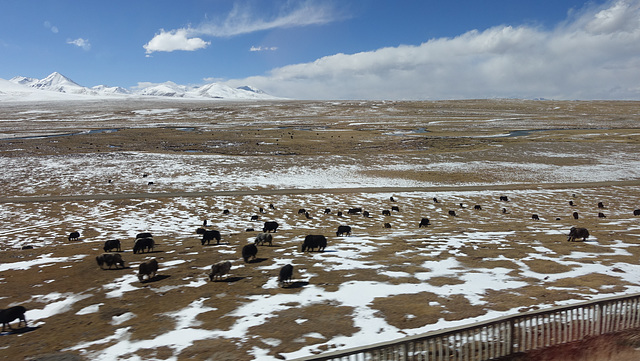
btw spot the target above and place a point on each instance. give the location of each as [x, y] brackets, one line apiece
[575, 233]
[209, 235]
[342, 230]
[110, 259]
[270, 226]
[112, 244]
[147, 268]
[249, 251]
[286, 272]
[12, 313]
[142, 244]
[312, 242]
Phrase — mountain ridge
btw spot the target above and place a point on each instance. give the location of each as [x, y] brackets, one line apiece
[58, 83]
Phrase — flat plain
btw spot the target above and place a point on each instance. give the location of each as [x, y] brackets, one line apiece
[110, 169]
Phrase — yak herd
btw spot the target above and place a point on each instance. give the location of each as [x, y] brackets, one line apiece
[313, 242]
[147, 270]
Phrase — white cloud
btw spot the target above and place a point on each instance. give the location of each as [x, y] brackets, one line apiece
[263, 48]
[174, 40]
[595, 55]
[54, 29]
[80, 42]
[241, 20]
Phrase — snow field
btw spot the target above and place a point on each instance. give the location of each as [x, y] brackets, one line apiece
[403, 259]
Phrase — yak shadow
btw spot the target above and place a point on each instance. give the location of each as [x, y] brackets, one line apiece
[148, 252]
[296, 284]
[116, 269]
[230, 279]
[257, 260]
[18, 331]
[156, 278]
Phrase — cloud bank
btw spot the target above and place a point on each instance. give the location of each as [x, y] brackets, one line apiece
[241, 20]
[594, 54]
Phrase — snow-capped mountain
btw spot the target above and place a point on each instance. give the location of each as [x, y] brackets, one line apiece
[103, 89]
[23, 80]
[58, 83]
[168, 89]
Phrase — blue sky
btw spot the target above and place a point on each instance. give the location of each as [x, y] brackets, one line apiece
[347, 49]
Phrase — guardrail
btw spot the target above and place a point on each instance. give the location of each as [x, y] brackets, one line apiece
[505, 336]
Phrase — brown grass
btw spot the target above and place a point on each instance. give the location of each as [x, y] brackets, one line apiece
[456, 131]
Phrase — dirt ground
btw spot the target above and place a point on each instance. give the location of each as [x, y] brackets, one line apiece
[370, 133]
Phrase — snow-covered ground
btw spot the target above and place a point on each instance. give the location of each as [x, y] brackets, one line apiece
[444, 249]
[474, 255]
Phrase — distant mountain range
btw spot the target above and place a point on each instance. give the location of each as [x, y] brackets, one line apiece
[59, 83]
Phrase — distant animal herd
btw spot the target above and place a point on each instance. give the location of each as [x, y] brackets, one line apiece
[147, 270]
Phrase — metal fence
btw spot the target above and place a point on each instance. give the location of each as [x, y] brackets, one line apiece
[506, 335]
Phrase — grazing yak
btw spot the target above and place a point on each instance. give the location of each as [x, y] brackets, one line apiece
[343, 230]
[391, 199]
[286, 273]
[73, 236]
[575, 215]
[504, 198]
[143, 243]
[147, 268]
[600, 205]
[226, 211]
[249, 251]
[327, 210]
[386, 225]
[452, 213]
[339, 214]
[144, 235]
[636, 212]
[219, 269]
[424, 222]
[263, 238]
[395, 208]
[8, 315]
[110, 259]
[270, 226]
[435, 200]
[477, 207]
[535, 217]
[354, 210]
[112, 244]
[312, 242]
[365, 214]
[601, 215]
[210, 235]
[575, 233]
[386, 212]
[302, 211]
[255, 218]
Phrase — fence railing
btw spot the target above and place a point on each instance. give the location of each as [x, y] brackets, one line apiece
[505, 335]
